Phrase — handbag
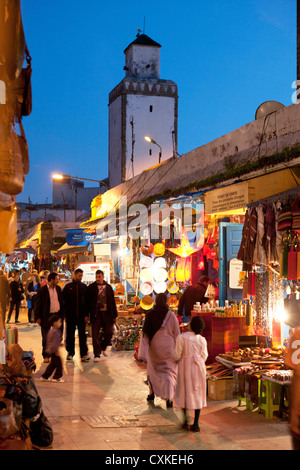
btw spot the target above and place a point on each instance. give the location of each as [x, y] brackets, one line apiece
[40, 431]
[8, 425]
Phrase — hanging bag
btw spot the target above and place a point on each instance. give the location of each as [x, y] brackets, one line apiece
[8, 425]
[40, 430]
[27, 94]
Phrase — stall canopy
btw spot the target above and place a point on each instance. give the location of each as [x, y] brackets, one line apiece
[30, 241]
[71, 249]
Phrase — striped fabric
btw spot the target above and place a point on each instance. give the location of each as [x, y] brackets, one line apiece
[225, 334]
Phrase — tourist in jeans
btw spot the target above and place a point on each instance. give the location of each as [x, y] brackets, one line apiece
[103, 313]
[16, 296]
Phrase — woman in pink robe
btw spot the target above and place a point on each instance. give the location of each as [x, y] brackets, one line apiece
[161, 330]
[191, 354]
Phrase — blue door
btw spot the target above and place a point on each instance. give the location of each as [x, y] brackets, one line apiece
[230, 242]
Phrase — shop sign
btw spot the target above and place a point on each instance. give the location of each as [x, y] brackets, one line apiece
[79, 237]
[227, 199]
[89, 271]
[235, 271]
[75, 237]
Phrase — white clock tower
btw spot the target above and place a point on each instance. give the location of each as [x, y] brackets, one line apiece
[141, 105]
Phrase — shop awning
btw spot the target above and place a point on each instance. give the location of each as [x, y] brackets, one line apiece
[30, 241]
[29, 250]
[71, 249]
[239, 194]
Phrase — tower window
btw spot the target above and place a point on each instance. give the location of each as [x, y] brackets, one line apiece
[151, 108]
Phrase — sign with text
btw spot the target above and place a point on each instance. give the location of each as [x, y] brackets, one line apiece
[227, 199]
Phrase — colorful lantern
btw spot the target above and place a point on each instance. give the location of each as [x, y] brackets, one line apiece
[183, 271]
[184, 250]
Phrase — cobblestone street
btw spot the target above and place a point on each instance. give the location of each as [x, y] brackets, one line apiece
[102, 406]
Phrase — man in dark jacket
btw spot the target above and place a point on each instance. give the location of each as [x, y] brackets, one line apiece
[193, 294]
[16, 295]
[103, 313]
[49, 301]
[75, 308]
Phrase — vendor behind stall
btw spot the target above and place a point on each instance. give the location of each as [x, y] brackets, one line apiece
[193, 294]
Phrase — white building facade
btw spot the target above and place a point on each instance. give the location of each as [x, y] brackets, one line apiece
[141, 105]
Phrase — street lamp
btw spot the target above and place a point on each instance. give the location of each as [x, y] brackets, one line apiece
[58, 176]
[155, 143]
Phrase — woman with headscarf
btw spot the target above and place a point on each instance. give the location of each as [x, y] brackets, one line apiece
[161, 330]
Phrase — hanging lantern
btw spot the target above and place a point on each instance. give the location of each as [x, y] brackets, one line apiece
[172, 274]
[184, 270]
[188, 269]
[184, 250]
[180, 275]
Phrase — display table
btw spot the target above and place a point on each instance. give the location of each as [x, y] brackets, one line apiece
[221, 333]
[260, 390]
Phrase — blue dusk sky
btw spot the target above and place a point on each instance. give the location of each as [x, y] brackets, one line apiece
[227, 57]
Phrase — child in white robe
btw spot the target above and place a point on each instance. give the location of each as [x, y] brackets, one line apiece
[191, 354]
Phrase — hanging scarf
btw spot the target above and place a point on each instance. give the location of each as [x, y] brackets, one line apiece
[154, 320]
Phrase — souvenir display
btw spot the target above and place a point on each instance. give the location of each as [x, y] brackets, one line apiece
[146, 275]
[146, 288]
[147, 250]
[146, 262]
[160, 287]
[127, 337]
[160, 274]
[160, 263]
[159, 249]
[172, 287]
[147, 302]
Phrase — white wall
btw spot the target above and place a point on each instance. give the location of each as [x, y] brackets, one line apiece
[115, 142]
[242, 144]
[139, 57]
[157, 124]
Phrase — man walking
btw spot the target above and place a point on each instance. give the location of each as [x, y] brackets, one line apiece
[16, 296]
[103, 313]
[75, 308]
[49, 301]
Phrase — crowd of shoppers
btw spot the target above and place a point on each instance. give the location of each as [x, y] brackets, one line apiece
[75, 305]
